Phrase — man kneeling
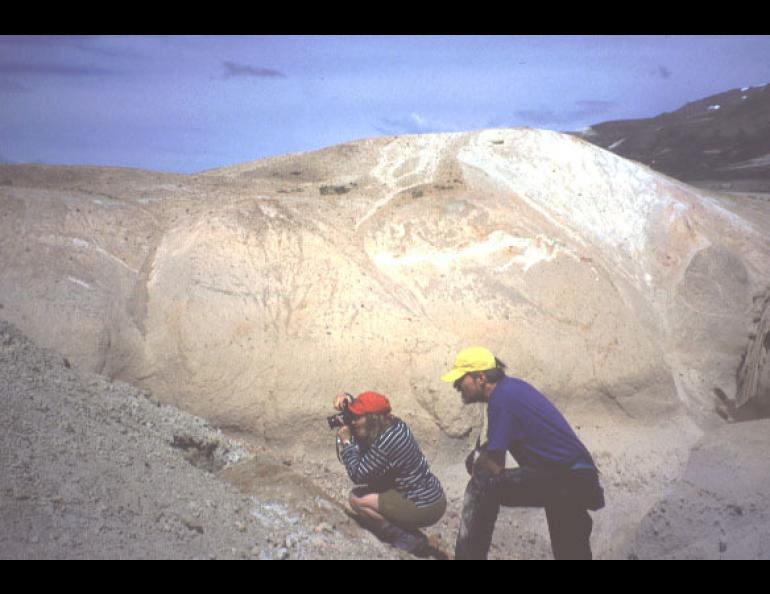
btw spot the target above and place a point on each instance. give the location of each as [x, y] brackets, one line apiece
[555, 471]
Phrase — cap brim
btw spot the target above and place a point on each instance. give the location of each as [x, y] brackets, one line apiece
[453, 376]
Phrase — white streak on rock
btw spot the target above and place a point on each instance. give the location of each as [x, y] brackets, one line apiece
[77, 281]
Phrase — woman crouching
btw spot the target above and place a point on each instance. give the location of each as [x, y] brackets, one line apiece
[399, 495]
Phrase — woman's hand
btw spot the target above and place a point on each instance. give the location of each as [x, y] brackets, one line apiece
[344, 434]
[339, 399]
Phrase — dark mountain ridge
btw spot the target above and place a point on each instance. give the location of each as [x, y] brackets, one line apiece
[721, 141]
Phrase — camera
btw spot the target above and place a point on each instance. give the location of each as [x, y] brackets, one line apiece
[340, 419]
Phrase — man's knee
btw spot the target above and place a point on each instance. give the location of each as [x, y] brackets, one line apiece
[481, 484]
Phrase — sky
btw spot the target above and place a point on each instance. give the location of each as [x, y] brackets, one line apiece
[191, 103]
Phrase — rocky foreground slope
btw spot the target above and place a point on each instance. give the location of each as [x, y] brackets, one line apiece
[249, 296]
[96, 469]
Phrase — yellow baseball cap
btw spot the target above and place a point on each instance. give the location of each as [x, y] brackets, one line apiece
[468, 360]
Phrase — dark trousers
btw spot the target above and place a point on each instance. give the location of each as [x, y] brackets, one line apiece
[566, 496]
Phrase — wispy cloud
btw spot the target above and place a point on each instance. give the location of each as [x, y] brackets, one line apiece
[8, 85]
[90, 44]
[414, 123]
[46, 40]
[593, 107]
[52, 68]
[23, 57]
[234, 70]
[579, 111]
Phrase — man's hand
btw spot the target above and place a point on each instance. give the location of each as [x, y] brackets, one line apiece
[473, 457]
[492, 461]
[470, 461]
[481, 459]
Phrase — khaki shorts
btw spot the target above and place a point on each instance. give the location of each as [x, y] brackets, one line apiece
[398, 509]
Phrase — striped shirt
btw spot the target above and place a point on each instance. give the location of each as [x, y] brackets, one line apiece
[394, 460]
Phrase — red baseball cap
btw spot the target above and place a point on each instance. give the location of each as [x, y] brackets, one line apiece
[369, 402]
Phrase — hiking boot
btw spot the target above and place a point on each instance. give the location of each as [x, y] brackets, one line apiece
[411, 541]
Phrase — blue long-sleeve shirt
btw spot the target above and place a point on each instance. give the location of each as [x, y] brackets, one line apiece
[527, 424]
